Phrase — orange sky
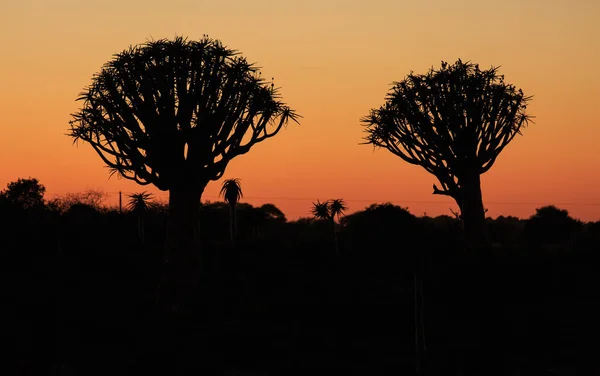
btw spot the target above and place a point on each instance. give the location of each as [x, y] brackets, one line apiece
[334, 61]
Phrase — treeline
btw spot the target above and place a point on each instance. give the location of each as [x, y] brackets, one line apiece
[550, 230]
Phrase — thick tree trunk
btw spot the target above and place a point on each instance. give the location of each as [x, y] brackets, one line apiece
[417, 326]
[183, 261]
[473, 213]
[419, 316]
[422, 309]
[476, 243]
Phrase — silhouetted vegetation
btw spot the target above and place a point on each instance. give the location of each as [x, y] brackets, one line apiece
[453, 122]
[327, 211]
[173, 113]
[374, 292]
[279, 301]
[231, 190]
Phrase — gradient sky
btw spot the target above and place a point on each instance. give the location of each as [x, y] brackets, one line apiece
[335, 60]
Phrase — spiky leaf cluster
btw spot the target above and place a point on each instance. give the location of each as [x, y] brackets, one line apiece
[231, 190]
[139, 202]
[329, 209]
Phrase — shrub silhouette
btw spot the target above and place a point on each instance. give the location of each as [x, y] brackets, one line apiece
[24, 194]
[551, 226]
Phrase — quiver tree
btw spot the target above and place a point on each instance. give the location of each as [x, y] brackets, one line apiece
[231, 190]
[173, 113]
[453, 122]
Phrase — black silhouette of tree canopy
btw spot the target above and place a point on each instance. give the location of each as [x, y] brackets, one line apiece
[24, 193]
[453, 122]
[173, 113]
[272, 212]
[551, 225]
[231, 190]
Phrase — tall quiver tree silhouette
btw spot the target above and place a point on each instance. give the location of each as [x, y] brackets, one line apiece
[173, 113]
[231, 190]
[453, 122]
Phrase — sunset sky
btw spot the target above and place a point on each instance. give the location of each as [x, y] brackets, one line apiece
[334, 61]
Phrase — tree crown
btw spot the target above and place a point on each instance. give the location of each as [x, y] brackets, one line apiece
[24, 193]
[452, 121]
[172, 112]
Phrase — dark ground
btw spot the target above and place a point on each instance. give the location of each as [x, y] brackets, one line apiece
[288, 305]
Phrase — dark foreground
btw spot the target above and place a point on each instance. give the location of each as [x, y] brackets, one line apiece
[286, 304]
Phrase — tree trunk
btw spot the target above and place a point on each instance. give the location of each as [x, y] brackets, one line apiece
[182, 264]
[230, 222]
[423, 336]
[476, 243]
[140, 224]
[233, 231]
[336, 245]
[416, 316]
[473, 213]
[419, 319]
[234, 221]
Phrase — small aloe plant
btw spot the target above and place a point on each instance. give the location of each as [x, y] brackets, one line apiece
[328, 210]
[138, 204]
[231, 190]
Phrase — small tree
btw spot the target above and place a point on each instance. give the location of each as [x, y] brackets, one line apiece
[173, 113]
[453, 122]
[272, 212]
[337, 207]
[231, 190]
[24, 193]
[265, 215]
[328, 210]
[551, 226]
[139, 205]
